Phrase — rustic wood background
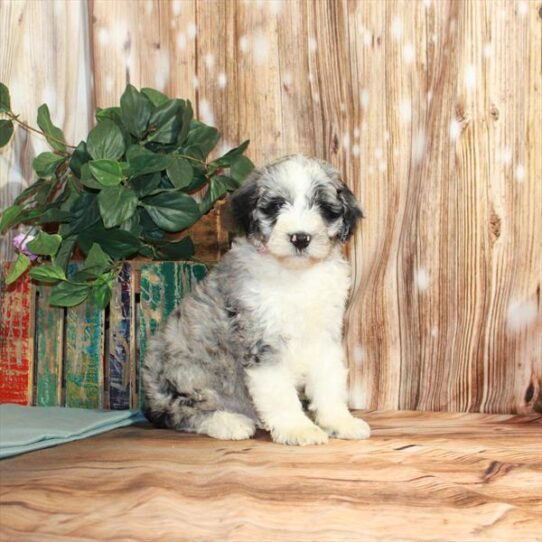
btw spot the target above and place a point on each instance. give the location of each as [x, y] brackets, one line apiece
[432, 110]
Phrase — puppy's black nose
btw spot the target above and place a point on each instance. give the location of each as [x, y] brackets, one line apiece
[300, 240]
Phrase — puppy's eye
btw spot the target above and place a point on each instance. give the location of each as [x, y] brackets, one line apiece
[330, 211]
[272, 207]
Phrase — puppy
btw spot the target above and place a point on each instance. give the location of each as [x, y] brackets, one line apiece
[266, 323]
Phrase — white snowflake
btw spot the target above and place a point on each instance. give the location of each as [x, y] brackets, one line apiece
[434, 331]
[176, 7]
[470, 76]
[408, 53]
[418, 146]
[346, 141]
[367, 38]
[520, 173]
[260, 49]
[405, 110]
[455, 129]
[523, 8]
[149, 7]
[222, 80]
[355, 150]
[379, 153]
[507, 155]
[382, 166]
[161, 75]
[206, 112]
[421, 278]
[195, 82]
[287, 78]
[426, 4]
[108, 83]
[359, 355]
[488, 49]
[244, 43]
[397, 28]
[356, 133]
[364, 98]
[209, 60]
[192, 30]
[181, 41]
[312, 44]
[521, 314]
[316, 97]
[103, 36]
[342, 107]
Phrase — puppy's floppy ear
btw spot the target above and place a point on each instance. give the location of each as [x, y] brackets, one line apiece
[243, 202]
[351, 212]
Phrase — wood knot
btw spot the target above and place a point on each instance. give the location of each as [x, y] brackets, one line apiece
[334, 144]
[495, 224]
[494, 112]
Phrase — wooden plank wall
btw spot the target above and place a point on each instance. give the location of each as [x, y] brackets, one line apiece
[432, 110]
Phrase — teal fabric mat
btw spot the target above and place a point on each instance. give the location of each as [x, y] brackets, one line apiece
[24, 429]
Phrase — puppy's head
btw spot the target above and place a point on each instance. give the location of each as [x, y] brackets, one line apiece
[296, 209]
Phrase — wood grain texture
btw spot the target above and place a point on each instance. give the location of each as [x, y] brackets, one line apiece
[122, 343]
[49, 341]
[84, 354]
[162, 287]
[16, 339]
[432, 110]
[421, 477]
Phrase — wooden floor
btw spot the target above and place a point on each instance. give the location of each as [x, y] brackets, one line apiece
[421, 477]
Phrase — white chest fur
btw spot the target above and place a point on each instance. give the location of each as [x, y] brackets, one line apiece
[302, 306]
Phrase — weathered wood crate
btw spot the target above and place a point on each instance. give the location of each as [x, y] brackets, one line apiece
[83, 356]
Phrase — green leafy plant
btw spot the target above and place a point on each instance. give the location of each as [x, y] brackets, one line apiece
[121, 193]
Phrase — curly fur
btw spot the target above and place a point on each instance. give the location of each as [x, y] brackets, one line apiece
[266, 323]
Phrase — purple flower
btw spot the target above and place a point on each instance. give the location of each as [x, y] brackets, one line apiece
[20, 241]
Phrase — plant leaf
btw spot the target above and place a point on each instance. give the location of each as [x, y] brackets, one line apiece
[105, 141]
[115, 242]
[5, 101]
[187, 116]
[9, 217]
[241, 169]
[171, 211]
[48, 273]
[85, 213]
[145, 184]
[45, 164]
[135, 111]
[166, 122]
[180, 172]
[45, 244]
[218, 187]
[231, 156]
[156, 97]
[116, 204]
[202, 137]
[68, 294]
[101, 293]
[21, 264]
[6, 131]
[64, 252]
[79, 157]
[54, 135]
[107, 172]
[179, 250]
[142, 161]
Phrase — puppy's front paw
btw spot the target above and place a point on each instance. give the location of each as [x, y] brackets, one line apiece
[347, 427]
[299, 435]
